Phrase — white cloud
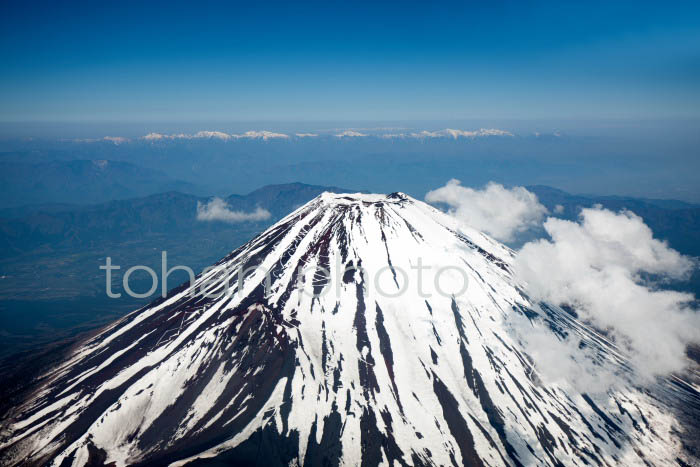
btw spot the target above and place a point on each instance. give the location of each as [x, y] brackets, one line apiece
[496, 210]
[602, 266]
[562, 361]
[306, 135]
[219, 210]
[607, 266]
[558, 209]
[350, 134]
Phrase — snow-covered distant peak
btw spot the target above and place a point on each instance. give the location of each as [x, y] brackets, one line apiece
[359, 198]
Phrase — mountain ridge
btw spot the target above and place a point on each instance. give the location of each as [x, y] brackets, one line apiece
[418, 380]
[80, 181]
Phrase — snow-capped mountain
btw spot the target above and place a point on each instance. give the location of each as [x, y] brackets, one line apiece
[317, 343]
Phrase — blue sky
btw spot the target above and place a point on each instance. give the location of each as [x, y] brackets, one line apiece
[128, 61]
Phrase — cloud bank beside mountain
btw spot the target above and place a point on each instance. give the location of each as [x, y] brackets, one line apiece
[607, 267]
[611, 270]
[219, 210]
[500, 212]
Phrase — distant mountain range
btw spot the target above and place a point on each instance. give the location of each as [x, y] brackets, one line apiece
[50, 284]
[60, 246]
[54, 226]
[677, 222]
[80, 181]
[615, 163]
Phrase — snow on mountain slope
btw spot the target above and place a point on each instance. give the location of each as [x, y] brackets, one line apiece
[359, 362]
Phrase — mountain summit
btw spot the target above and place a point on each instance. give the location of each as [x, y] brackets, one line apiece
[359, 330]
